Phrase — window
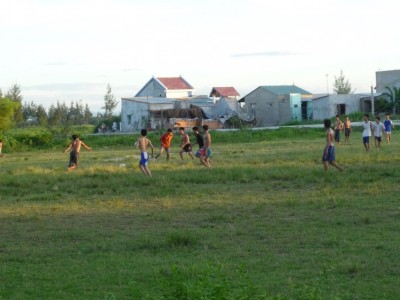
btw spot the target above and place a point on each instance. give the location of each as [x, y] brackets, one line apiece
[341, 109]
[129, 117]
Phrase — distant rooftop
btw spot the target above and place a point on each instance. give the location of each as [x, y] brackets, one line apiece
[175, 83]
[227, 91]
[285, 89]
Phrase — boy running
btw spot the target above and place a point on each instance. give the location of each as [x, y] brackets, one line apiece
[388, 124]
[367, 131]
[75, 145]
[185, 144]
[347, 129]
[328, 156]
[165, 143]
[207, 153]
[199, 140]
[378, 132]
[338, 129]
[142, 143]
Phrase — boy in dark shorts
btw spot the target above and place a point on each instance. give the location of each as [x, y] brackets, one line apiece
[74, 154]
[338, 129]
[347, 129]
[142, 143]
[328, 157]
[165, 143]
[185, 144]
[199, 140]
[377, 129]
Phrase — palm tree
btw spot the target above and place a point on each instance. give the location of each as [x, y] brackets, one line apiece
[394, 96]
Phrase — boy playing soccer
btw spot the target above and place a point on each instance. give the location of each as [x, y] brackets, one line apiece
[378, 131]
[388, 128]
[185, 144]
[165, 143]
[206, 153]
[329, 152]
[199, 140]
[142, 143]
[74, 154]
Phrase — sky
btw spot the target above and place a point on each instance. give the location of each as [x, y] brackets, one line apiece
[69, 50]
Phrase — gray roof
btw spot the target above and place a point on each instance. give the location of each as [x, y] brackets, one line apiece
[285, 89]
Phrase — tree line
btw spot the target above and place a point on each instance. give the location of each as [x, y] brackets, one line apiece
[13, 112]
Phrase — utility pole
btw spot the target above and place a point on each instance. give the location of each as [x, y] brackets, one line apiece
[372, 101]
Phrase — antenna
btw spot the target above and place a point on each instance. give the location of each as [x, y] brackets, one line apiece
[327, 83]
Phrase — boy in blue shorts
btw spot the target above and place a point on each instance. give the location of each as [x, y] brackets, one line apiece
[367, 129]
[142, 143]
[328, 156]
[388, 124]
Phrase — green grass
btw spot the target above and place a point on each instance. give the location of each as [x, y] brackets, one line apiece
[264, 223]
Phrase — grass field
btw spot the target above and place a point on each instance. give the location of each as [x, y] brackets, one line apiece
[265, 222]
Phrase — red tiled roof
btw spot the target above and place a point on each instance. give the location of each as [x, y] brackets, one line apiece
[175, 83]
[228, 91]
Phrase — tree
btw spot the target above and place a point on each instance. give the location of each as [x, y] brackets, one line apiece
[342, 85]
[110, 103]
[14, 94]
[394, 96]
[41, 115]
[7, 109]
[87, 115]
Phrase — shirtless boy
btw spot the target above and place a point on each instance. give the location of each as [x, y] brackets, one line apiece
[165, 140]
[199, 140]
[75, 145]
[329, 152]
[207, 153]
[142, 143]
[338, 129]
[347, 129]
[185, 144]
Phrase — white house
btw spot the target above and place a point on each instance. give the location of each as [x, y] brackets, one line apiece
[166, 87]
[327, 106]
[136, 112]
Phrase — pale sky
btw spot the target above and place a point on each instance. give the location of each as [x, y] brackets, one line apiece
[71, 49]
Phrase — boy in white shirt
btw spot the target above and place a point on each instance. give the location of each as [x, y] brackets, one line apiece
[367, 124]
[378, 132]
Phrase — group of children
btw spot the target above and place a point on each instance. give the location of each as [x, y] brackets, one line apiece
[369, 128]
[204, 153]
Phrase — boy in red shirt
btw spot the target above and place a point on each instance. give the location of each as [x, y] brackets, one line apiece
[165, 140]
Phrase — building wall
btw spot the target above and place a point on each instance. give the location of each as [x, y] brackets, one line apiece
[153, 89]
[133, 115]
[270, 109]
[179, 93]
[387, 78]
[327, 107]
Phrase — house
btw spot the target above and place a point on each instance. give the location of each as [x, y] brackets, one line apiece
[385, 79]
[325, 106]
[275, 105]
[136, 112]
[226, 92]
[166, 87]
